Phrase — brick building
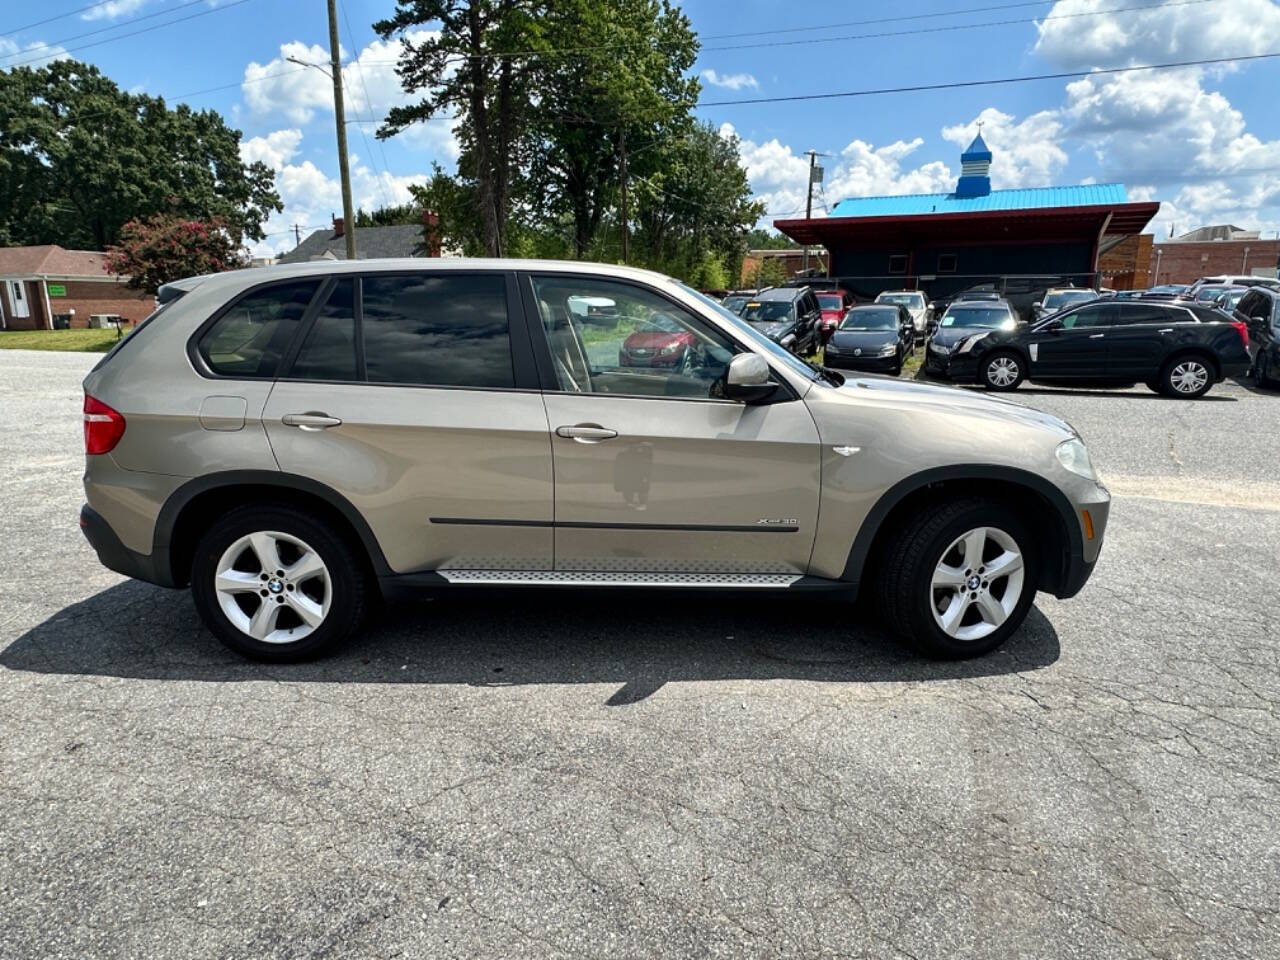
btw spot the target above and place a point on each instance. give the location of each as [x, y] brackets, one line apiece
[791, 258]
[1127, 264]
[46, 287]
[1210, 251]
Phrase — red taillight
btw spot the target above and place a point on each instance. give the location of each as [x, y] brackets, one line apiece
[1243, 330]
[103, 427]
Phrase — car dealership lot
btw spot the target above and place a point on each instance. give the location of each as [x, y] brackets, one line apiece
[565, 774]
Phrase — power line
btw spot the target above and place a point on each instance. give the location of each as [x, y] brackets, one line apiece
[60, 16]
[867, 23]
[134, 33]
[110, 27]
[959, 84]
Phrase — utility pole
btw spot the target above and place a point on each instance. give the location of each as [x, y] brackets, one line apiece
[815, 174]
[626, 227]
[297, 234]
[335, 65]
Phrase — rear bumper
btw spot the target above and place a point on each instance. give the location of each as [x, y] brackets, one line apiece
[1235, 369]
[114, 555]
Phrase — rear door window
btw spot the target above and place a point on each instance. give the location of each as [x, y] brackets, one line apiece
[249, 338]
[447, 330]
[329, 352]
[1149, 313]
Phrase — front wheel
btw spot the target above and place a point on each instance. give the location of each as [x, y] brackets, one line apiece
[1002, 371]
[275, 584]
[958, 580]
[1186, 378]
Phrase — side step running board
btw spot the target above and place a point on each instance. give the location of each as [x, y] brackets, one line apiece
[619, 578]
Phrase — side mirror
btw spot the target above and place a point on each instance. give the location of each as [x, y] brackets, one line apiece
[747, 379]
[1037, 305]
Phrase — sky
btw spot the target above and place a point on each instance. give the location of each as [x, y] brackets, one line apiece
[1204, 141]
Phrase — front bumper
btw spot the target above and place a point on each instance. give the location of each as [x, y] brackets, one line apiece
[847, 361]
[962, 367]
[937, 363]
[114, 555]
[1078, 563]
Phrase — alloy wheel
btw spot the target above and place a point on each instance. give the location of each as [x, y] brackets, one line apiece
[977, 583]
[273, 587]
[1189, 376]
[1002, 372]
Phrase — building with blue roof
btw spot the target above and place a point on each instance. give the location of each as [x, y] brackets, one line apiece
[943, 243]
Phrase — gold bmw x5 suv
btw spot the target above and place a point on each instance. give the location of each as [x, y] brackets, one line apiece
[292, 442]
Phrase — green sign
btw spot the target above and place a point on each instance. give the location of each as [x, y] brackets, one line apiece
[57, 290]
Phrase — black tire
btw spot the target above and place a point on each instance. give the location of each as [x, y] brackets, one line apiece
[348, 584]
[908, 563]
[988, 376]
[1261, 373]
[1174, 365]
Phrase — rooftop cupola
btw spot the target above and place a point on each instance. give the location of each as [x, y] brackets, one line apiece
[975, 169]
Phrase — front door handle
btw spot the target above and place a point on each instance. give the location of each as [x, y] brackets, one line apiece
[311, 421]
[1096, 336]
[586, 433]
[1165, 330]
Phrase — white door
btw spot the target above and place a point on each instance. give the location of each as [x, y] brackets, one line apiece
[18, 306]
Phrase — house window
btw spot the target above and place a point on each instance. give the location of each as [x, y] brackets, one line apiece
[946, 263]
[898, 263]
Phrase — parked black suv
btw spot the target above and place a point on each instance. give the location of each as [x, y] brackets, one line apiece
[789, 316]
[1179, 349]
[1259, 311]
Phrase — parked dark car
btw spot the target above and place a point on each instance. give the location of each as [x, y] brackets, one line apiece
[961, 321]
[788, 316]
[1259, 311]
[1180, 350]
[876, 337]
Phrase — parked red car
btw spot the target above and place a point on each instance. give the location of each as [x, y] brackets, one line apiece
[834, 304]
[659, 341]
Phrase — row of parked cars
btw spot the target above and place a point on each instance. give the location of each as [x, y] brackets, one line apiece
[1179, 341]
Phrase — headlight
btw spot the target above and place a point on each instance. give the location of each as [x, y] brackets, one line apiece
[1074, 455]
[670, 349]
[832, 348]
[888, 350]
[968, 343]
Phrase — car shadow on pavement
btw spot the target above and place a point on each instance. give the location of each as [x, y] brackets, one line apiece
[509, 637]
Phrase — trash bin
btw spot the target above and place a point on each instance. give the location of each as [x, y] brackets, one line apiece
[62, 321]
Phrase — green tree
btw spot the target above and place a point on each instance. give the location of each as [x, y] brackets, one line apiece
[462, 68]
[79, 157]
[758, 239]
[626, 85]
[163, 248]
[397, 216]
[771, 273]
[692, 196]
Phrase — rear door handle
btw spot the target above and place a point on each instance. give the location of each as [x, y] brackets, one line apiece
[1096, 336]
[1166, 330]
[586, 433]
[311, 421]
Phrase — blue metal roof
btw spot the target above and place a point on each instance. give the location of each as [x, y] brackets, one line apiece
[1033, 198]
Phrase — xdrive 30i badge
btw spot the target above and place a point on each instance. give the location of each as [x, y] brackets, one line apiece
[775, 522]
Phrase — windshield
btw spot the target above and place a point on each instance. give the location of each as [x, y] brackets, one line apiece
[984, 318]
[1067, 298]
[1206, 294]
[911, 300]
[870, 320]
[767, 311]
[831, 301]
[734, 304]
[777, 353]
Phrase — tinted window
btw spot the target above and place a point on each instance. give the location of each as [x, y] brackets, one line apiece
[1131, 313]
[329, 352]
[248, 340]
[443, 330]
[986, 318]
[1100, 315]
[870, 318]
[831, 301]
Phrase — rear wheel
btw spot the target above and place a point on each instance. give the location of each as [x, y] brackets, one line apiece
[1002, 371]
[958, 579]
[1186, 377]
[274, 584]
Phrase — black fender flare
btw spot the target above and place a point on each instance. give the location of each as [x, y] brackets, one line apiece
[876, 516]
[167, 519]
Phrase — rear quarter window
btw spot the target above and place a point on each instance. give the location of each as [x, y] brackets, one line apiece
[249, 337]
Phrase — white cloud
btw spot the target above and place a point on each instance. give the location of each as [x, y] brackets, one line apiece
[370, 88]
[1023, 154]
[730, 81]
[113, 9]
[33, 55]
[275, 149]
[311, 196]
[1190, 31]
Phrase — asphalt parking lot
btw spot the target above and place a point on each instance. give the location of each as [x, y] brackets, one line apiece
[585, 775]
